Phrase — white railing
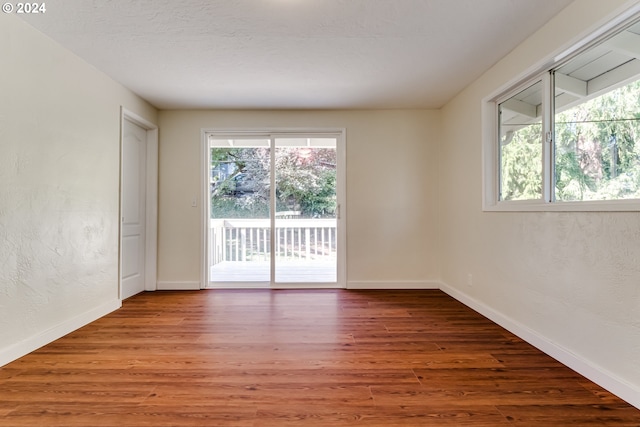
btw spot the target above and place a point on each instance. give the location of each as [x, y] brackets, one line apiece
[250, 239]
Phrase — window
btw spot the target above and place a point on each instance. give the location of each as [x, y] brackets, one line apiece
[520, 125]
[597, 140]
[570, 136]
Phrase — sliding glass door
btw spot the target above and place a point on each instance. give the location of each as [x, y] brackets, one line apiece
[286, 237]
[239, 225]
[306, 210]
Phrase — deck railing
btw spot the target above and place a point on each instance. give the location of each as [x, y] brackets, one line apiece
[250, 239]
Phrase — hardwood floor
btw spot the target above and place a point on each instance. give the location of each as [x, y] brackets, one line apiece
[298, 358]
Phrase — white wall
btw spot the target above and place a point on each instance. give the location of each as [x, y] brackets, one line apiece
[568, 281]
[59, 189]
[392, 181]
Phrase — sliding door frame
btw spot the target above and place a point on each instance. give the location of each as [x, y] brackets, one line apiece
[272, 134]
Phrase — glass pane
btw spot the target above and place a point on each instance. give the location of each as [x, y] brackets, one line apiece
[597, 149]
[305, 210]
[521, 145]
[239, 225]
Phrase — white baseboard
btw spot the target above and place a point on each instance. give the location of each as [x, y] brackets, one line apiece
[178, 286]
[597, 374]
[400, 284]
[30, 344]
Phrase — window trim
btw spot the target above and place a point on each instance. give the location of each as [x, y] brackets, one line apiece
[543, 70]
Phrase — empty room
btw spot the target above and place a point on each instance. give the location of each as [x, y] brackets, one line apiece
[320, 213]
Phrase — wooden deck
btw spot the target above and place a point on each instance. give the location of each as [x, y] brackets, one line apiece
[311, 358]
[257, 272]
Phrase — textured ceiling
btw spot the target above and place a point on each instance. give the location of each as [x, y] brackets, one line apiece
[294, 53]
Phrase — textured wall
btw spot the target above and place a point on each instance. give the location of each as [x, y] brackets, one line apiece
[59, 184]
[391, 188]
[572, 278]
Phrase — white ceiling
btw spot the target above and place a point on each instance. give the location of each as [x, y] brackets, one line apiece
[294, 53]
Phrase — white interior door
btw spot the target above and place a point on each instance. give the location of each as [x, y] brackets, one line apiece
[133, 235]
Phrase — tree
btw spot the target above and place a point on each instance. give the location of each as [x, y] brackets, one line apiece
[305, 181]
[597, 151]
[521, 164]
[597, 154]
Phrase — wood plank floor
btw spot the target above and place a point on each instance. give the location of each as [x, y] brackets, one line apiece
[258, 358]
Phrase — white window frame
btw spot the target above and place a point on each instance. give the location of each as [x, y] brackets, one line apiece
[490, 141]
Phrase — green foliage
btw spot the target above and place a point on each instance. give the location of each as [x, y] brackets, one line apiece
[322, 201]
[597, 149]
[571, 183]
[232, 207]
[226, 201]
[305, 181]
[521, 164]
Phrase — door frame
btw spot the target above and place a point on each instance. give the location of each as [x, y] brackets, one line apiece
[341, 189]
[151, 201]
